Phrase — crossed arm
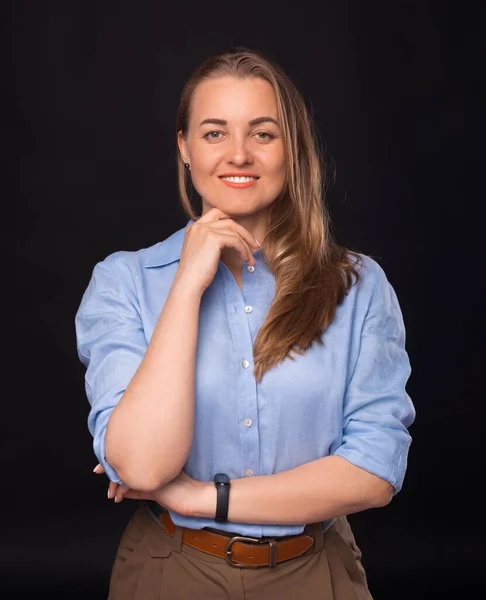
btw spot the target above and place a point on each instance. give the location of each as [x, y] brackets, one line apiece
[316, 491]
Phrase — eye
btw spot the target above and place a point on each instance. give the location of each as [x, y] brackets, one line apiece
[209, 135]
[268, 136]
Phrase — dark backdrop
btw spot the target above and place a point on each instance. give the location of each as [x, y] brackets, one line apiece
[90, 92]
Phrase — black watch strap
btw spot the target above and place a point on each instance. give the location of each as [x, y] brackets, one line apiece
[222, 483]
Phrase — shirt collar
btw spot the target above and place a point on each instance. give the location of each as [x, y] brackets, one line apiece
[167, 251]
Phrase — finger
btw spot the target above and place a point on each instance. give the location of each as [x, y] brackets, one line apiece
[243, 232]
[120, 493]
[234, 240]
[136, 495]
[98, 469]
[112, 489]
[213, 215]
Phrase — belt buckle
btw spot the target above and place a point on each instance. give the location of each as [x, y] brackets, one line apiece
[242, 538]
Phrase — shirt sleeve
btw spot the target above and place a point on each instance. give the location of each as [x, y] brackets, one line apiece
[377, 408]
[111, 344]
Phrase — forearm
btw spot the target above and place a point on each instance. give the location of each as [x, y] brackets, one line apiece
[316, 491]
[150, 431]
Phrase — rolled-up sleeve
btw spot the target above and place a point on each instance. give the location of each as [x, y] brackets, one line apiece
[377, 408]
[111, 344]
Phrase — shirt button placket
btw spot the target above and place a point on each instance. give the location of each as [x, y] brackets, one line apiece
[250, 440]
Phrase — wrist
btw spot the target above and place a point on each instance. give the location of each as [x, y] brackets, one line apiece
[205, 501]
[184, 285]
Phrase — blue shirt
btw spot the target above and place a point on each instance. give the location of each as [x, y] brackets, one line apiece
[345, 398]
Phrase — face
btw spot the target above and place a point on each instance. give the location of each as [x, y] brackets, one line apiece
[234, 132]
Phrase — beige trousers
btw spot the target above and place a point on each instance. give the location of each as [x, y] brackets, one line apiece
[151, 565]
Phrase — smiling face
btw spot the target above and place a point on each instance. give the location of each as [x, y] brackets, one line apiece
[233, 132]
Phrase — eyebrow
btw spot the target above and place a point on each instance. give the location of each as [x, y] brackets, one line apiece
[251, 123]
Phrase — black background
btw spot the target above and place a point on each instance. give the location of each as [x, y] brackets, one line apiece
[90, 91]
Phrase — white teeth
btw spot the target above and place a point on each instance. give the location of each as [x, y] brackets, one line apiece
[239, 179]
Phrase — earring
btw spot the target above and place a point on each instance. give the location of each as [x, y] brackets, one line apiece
[187, 165]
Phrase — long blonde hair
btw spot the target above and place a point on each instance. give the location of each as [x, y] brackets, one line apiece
[312, 272]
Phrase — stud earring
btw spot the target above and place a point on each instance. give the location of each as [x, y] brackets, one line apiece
[187, 165]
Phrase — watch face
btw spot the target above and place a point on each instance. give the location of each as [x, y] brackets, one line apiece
[221, 478]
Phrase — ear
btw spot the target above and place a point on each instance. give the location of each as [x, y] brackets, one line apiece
[182, 147]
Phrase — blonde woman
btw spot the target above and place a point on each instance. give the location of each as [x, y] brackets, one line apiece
[247, 374]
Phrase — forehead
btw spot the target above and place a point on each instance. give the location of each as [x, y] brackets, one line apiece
[233, 99]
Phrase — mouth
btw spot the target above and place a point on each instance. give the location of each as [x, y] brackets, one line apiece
[242, 180]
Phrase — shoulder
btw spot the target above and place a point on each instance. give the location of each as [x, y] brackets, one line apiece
[121, 280]
[372, 290]
[376, 299]
[371, 273]
[131, 264]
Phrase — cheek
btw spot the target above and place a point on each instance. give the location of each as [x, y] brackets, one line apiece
[207, 158]
[278, 170]
[276, 161]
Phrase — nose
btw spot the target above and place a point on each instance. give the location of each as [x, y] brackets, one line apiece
[239, 151]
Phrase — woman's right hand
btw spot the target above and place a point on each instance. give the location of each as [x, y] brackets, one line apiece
[203, 242]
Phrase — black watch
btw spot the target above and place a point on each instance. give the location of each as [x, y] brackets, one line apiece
[222, 483]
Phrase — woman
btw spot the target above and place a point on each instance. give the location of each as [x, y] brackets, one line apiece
[249, 348]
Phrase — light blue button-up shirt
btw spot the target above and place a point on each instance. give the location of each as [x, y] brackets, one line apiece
[345, 398]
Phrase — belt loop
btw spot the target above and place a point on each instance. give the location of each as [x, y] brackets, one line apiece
[318, 536]
[177, 539]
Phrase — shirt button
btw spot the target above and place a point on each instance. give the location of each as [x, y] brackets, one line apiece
[250, 268]
[249, 472]
[248, 422]
[245, 364]
[248, 309]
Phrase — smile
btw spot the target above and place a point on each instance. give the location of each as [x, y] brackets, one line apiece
[239, 182]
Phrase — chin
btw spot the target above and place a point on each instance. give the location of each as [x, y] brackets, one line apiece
[234, 208]
[244, 211]
[238, 205]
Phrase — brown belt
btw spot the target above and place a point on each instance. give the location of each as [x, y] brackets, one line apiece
[238, 550]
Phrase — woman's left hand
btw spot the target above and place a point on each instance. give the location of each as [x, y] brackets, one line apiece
[179, 495]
